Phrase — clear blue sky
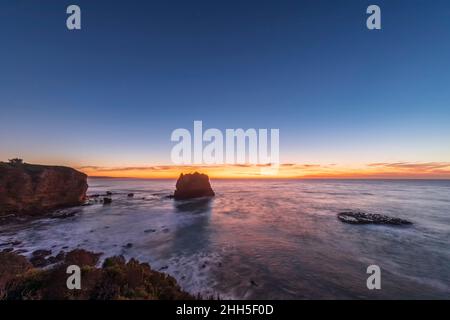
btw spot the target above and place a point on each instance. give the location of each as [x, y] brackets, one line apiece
[112, 93]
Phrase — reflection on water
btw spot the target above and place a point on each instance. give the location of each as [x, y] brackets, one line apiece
[201, 205]
[267, 239]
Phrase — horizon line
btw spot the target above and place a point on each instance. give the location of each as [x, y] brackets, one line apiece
[400, 170]
[278, 178]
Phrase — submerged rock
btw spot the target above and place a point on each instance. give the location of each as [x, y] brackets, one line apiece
[191, 186]
[29, 189]
[67, 213]
[369, 218]
[116, 279]
[12, 243]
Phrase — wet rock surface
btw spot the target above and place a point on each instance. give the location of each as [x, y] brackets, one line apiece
[370, 218]
[62, 214]
[38, 258]
[42, 258]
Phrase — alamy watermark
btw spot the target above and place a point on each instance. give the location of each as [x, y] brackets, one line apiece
[374, 20]
[74, 280]
[73, 21]
[374, 280]
[235, 147]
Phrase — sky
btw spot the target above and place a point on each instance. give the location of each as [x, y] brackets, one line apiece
[348, 101]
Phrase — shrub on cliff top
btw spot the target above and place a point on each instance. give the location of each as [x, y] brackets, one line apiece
[15, 162]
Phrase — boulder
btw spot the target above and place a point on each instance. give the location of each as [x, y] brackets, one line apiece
[193, 185]
[370, 218]
[28, 189]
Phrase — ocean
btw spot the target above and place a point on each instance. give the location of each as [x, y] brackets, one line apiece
[266, 239]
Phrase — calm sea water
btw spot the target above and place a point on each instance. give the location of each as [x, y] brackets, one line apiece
[267, 239]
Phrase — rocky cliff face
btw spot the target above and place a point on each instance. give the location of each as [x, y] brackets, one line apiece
[193, 185]
[27, 189]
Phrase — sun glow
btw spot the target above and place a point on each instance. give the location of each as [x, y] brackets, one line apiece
[399, 170]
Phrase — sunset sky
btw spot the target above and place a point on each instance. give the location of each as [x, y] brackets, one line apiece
[349, 102]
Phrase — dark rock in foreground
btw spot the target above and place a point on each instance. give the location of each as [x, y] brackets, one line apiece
[193, 185]
[369, 218]
[38, 258]
[28, 189]
[116, 279]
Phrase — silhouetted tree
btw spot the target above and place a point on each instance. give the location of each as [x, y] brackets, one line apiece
[16, 161]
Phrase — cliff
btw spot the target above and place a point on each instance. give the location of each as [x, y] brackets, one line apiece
[28, 189]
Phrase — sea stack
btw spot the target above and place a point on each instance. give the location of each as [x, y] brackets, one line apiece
[29, 189]
[193, 185]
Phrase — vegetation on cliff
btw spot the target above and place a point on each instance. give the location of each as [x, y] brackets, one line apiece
[117, 279]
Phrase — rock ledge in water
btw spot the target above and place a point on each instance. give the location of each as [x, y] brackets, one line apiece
[193, 185]
[369, 218]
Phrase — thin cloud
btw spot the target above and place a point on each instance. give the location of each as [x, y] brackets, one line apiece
[424, 166]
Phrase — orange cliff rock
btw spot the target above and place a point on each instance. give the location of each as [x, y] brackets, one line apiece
[28, 189]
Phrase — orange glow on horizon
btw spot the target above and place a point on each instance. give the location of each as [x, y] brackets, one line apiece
[434, 170]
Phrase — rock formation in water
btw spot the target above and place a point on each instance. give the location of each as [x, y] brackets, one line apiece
[193, 185]
[28, 189]
[116, 279]
[370, 218]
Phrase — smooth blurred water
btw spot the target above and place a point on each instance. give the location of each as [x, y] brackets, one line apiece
[267, 239]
